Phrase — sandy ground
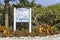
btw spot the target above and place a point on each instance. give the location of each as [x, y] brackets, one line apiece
[54, 37]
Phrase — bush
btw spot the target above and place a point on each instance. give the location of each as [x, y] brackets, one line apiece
[48, 30]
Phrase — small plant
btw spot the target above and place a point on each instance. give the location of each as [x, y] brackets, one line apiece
[5, 31]
[42, 30]
[47, 30]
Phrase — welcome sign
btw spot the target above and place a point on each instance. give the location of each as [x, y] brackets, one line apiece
[22, 15]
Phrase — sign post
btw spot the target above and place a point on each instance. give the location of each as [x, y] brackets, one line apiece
[22, 15]
[14, 19]
[30, 22]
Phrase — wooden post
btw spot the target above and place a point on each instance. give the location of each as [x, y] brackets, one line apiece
[30, 22]
[14, 19]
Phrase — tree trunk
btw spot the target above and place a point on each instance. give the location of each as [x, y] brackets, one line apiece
[6, 13]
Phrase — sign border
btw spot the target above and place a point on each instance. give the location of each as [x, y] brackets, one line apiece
[29, 19]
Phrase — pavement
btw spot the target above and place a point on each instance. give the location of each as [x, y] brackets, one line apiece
[53, 37]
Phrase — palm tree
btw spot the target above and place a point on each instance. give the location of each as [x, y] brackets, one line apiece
[23, 3]
[6, 12]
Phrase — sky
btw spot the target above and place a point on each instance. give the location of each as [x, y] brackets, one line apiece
[43, 2]
[47, 2]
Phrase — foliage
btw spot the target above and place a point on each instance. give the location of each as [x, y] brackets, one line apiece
[46, 19]
[47, 30]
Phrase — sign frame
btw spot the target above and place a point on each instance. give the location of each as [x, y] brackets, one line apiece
[15, 11]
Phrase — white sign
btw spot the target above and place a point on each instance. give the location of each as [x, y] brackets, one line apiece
[22, 15]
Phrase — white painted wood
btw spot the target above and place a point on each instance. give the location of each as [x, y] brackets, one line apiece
[30, 22]
[14, 19]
